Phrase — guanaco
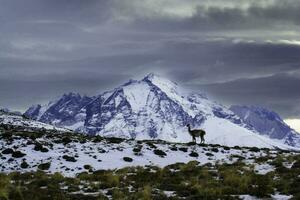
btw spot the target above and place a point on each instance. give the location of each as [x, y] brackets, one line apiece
[196, 133]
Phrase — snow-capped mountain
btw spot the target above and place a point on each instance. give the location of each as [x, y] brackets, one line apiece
[64, 112]
[267, 123]
[151, 108]
[16, 121]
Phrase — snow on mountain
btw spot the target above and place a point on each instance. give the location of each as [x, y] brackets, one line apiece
[11, 119]
[267, 123]
[150, 108]
[68, 111]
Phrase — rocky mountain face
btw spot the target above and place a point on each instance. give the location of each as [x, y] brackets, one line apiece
[267, 123]
[151, 108]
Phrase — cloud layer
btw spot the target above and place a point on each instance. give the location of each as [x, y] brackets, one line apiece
[240, 52]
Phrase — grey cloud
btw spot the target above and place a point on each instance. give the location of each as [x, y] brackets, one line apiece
[57, 46]
[278, 92]
[86, 11]
[277, 15]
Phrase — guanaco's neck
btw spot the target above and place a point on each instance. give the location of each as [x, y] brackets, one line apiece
[189, 128]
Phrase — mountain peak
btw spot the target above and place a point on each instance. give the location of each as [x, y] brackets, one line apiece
[152, 76]
[72, 94]
[159, 80]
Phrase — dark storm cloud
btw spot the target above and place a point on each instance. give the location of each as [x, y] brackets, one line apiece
[227, 48]
[84, 11]
[42, 89]
[217, 17]
[220, 61]
[279, 92]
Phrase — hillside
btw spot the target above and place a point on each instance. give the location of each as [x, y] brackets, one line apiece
[15, 121]
[76, 166]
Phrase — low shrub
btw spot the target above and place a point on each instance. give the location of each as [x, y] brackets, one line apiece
[136, 149]
[226, 148]
[7, 151]
[18, 154]
[173, 148]
[209, 154]
[114, 140]
[87, 167]
[40, 147]
[24, 165]
[66, 140]
[127, 159]
[194, 154]
[151, 145]
[44, 166]
[191, 143]
[183, 149]
[296, 165]
[69, 158]
[254, 149]
[159, 152]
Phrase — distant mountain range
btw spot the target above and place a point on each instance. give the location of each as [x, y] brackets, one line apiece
[267, 123]
[156, 108]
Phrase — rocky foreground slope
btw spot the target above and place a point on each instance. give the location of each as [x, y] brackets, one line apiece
[69, 153]
[16, 121]
[40, 165]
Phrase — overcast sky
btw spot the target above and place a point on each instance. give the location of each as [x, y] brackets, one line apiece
[237, 51]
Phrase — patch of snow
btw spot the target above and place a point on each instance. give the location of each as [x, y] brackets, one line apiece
[281, 196]
[263, 168]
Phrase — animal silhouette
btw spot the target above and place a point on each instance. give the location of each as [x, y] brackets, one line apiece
[196, 133]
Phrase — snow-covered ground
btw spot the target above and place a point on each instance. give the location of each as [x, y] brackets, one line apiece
[19, 121]
[109, 155]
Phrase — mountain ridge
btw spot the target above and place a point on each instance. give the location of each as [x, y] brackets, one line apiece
[152, 108]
